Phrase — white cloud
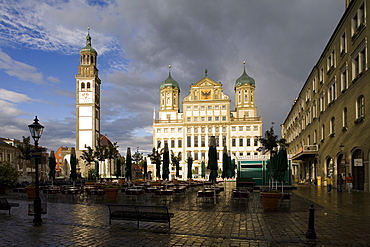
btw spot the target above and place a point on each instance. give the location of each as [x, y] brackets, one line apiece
[20, 70]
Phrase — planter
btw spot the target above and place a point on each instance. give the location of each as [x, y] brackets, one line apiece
[31, 192]
[111, 193]
[270, 200]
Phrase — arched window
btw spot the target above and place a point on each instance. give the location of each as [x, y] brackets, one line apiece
[361, 106]
[88, 85]
[82, 86]
[332, 125]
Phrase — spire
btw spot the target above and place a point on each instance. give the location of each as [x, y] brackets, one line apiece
[205, 72]
[88, 37]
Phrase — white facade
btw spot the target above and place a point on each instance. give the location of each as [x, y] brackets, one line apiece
[207, 112]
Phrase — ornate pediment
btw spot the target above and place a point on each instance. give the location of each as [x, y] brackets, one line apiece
[206, 83]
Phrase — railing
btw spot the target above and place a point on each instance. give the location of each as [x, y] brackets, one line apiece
[308, 148]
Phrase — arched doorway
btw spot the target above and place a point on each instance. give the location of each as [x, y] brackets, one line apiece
[358, 171]
[329, 166]
[341, 163]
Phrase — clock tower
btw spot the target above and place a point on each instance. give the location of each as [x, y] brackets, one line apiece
[87, 99]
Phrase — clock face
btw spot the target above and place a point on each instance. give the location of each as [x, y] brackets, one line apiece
[85, 97]
[206, 94]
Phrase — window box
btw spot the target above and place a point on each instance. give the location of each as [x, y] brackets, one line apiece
[359, 120]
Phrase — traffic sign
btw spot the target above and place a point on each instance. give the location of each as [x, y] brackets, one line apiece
[35, 153]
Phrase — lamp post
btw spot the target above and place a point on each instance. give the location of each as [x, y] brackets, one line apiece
[36, 132]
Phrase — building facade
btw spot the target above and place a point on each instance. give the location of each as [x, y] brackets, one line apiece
[207, 112]
[327, 124]
[87, 101]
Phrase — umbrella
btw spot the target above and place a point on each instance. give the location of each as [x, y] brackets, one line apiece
[128, 174]
[203, 166]
[118, 166]
[52, 165]
[145, 166]
[96, 169]
[225, 165]
[73, 162]
[282, 166]
[190, 164]
[166, 162]
[212, 160]
[232, 167]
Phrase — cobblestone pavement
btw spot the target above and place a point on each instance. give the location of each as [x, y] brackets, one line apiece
[83, 221]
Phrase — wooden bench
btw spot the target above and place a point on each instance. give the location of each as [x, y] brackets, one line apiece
[5, 205]
[140, 213]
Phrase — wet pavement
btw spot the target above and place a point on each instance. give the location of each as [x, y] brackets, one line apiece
[341, 219]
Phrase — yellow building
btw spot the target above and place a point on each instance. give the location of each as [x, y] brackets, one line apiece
[327, 125]
[207, 112]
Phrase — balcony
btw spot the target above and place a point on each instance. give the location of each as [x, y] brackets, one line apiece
[305, 152]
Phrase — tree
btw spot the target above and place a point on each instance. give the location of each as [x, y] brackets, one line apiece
[155, 157]
[137, 157]
[111, 154]
[101, 152]
[25, 148]
[89, 157]
[175, 159]
[8, 174]
[270, 142]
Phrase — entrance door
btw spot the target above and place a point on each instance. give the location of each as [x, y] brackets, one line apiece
[358, 170]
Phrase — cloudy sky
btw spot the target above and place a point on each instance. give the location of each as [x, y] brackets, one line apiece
[280, 40]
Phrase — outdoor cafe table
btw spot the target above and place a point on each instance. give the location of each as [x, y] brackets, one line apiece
[165, 192]
[134, 191]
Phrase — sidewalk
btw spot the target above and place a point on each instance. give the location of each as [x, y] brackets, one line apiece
[78, 221]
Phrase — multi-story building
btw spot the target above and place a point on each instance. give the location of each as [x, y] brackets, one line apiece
[207, 112]
[326, 126]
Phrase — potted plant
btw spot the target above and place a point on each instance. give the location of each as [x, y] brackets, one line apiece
[8, 176]
[270, 199]
[31, 191]
[111, 192]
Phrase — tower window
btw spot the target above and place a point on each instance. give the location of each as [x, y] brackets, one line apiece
[82, 85]
[88, 85]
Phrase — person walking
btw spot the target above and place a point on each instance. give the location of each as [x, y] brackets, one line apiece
[340, 182]
[349, 181]
[329, 182]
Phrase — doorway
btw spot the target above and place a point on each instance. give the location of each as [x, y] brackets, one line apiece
[358, 171]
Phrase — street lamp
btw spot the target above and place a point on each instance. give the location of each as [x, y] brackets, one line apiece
[36, 132]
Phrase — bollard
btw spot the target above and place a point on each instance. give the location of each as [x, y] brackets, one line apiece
[311, 223]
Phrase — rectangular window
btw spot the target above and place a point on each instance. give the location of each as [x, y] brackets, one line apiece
[330, 62]
[224, 107]
[343, 44]
[172, 130]
[233, 128]
[248, 142]
[255, 128]
[188, 130]
[195, 119]
[195, 141]
[240, 128]
[202, 119]
[195, 108]
[224, 141]
[195, 130]
[255, 142]
[217, 141]
[172, 143]
[248, 128]
[343, 78]
[241, 142]
[223, 118]
[188, 108]
[217, 118]
[158, 130]
[188, 119]
[345, 118]
[179, 143]
[209, 108]
[179, 130]
[209, 118]
[203, 141]
[196, 156]
[188, 141]
[202, 108]
[158, 143]
[217, 107]
[233, 142]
